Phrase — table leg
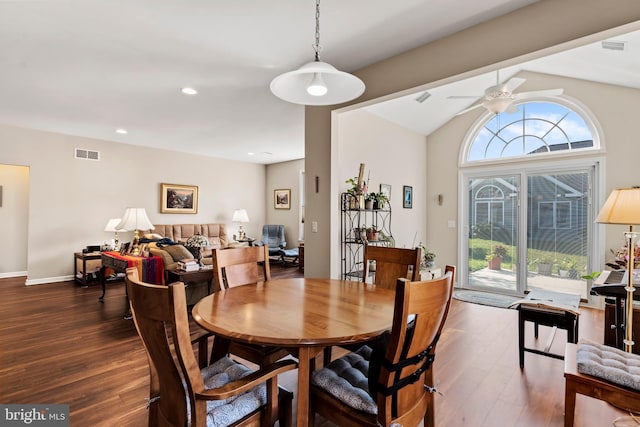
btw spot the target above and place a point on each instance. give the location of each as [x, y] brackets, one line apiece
[304, 372]
[103, 282]
[521, 337]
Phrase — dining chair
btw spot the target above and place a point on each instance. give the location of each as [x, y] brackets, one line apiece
[392, 382]
[238, 267]
[224, 393]
[390, 265]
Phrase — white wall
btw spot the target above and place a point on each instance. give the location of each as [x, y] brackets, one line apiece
[71, 200]
[13, 220]
[285, 175]
[392, 155]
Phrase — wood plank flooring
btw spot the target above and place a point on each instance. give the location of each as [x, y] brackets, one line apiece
[58, 344]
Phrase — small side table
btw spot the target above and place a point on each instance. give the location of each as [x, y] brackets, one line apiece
[191, 279]
[82, 263]
[248, 240]
[547, 308]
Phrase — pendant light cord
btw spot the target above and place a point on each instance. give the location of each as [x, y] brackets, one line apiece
[316, 46]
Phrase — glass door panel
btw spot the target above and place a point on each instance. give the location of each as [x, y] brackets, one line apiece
[558, 231]
[493, 232]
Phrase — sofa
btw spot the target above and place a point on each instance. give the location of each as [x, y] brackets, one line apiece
[171, 254]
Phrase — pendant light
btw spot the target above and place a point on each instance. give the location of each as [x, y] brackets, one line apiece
[317, 82]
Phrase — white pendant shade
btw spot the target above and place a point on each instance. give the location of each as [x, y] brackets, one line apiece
[295, 86]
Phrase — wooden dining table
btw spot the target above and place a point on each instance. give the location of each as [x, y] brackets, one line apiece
[303, 314]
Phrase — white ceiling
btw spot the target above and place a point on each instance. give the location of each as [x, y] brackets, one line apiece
[88, 67]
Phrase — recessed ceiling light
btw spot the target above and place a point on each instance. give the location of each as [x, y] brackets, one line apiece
[188, 91]
[251, 153]
[122, 131]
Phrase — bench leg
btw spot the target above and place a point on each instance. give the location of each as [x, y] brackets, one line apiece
[569, 403]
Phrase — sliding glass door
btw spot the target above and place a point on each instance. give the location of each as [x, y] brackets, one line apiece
[529, 229]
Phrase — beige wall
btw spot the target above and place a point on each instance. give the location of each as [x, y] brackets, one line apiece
[71, 200]
[285, 175]
[14, 213]
[392, 155]
[543, 26]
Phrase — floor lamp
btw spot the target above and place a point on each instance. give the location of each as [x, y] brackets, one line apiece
[623, 207]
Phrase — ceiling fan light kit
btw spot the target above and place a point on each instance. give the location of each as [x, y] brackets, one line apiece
[317, 82]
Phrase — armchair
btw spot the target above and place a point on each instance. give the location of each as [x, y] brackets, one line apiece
[273, 235]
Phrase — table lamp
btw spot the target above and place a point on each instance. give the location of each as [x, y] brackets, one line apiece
[111, 227]
[623, 207]
[240, 216]
[135, 219]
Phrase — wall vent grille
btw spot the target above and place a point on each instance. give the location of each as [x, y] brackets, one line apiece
[84, 154]
[613, 45]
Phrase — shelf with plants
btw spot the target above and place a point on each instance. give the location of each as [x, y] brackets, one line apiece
[359, 227]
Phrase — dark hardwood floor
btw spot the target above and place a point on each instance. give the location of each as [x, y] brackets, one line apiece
[60, 345]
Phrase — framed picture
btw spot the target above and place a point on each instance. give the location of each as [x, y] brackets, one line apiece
[124, 248]
[386, 190]
[407, 196]
[282, 199]
[181, 199]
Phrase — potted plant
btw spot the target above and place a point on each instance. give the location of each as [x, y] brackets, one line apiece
[372, 234]
[370, 201]
[428, 258]
[494, 259]
[567, 267]
[356, 197]
[545, 265]
[379, 200]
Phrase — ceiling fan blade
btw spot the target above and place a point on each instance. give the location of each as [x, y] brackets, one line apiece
[473, 107]
[514, 83]
[535, 93]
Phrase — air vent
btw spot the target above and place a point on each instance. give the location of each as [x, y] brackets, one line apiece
[614, 45]
[81, 153]
[423, 97]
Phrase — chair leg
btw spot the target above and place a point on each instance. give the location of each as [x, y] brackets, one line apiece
[285, 408]
[326, 356]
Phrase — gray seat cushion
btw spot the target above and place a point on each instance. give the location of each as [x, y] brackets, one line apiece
[225, 412]
[346, 379]
[609, 363]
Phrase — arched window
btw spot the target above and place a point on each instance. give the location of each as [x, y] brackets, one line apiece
[536, 129]
[489, 205]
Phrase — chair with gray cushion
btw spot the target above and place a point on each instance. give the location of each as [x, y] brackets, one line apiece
[273, 235]
[391, 381]
[182, 391]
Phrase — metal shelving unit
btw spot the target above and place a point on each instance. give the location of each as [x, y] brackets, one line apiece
[353, 221]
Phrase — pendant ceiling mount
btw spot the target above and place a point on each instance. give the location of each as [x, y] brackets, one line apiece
[317, 82]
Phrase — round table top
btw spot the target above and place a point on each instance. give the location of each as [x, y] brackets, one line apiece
[298, 312]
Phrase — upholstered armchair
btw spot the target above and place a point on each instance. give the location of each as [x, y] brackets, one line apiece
[273, 235]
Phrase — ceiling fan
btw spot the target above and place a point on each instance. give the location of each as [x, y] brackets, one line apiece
[500, 98]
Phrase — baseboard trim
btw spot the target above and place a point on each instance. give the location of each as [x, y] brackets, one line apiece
[45, 280]
[12, 274]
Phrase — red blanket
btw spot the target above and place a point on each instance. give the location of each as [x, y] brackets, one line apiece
[150, 269]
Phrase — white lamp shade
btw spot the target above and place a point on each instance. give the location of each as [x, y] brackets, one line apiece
[293, 85]
[135, 219]
[622, 207]
[240, 215]
[111, 225]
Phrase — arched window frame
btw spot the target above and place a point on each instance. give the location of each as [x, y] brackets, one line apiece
[565, 101]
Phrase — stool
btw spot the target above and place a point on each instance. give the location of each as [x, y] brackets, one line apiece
[289, 256]
[552, 309]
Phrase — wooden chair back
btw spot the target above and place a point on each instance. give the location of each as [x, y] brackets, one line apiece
[160, 312]
[391, 264]
[241, 266]
[429, 302]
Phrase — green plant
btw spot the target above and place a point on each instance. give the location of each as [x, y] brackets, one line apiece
[355, 188]
[591, 276]
[498, 251]
[427, 256]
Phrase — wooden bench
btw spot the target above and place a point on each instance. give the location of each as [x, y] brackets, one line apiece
[598, 388]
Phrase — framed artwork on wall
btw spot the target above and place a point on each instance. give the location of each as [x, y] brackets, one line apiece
[282, 199]
[407, 196]
[179, 199]
[386, 190]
